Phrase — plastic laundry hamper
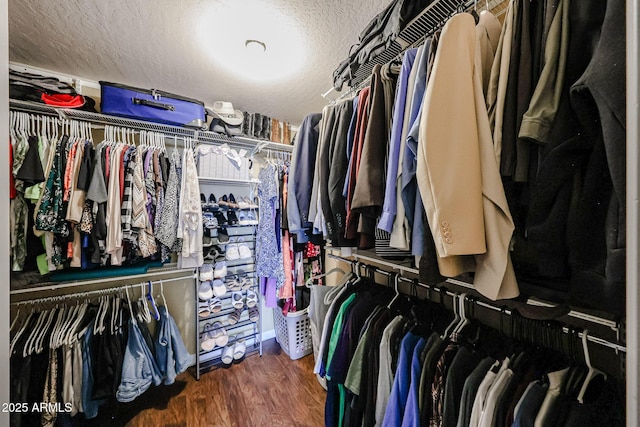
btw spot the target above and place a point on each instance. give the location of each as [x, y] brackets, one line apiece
[293, 332]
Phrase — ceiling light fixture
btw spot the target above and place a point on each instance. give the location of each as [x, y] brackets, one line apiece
[255, 46]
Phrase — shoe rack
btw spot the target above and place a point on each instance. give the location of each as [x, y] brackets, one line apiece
[227, 334]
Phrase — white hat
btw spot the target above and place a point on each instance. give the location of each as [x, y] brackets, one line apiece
[225, 112]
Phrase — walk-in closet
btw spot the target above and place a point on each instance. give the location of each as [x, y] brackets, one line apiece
[268, 212]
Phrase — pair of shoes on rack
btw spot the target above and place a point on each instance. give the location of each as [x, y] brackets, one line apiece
[206, 308]
[239, 282]
[214, 334]
[238, 302]
[236, 251]
[247, 218]
[235, 316]
[211, 203]
[228, 201]
[213, 253]
[219, 270]
[210, 288]
[246, 203]
[234, 351]
[209, 220]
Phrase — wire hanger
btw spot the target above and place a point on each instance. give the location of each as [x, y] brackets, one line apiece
[592, 372]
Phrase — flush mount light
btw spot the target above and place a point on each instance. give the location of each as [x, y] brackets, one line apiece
[255, 46]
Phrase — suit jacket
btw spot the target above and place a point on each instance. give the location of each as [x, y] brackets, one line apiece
[458, 175]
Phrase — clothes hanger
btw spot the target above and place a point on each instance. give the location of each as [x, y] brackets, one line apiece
[33, 334]
[456, 319]
[156, 314]
[164, 300]
[15, 320]
[592, 372]
[133, 318]
[23, 328]
[42, 335]
[464, 320]
[396, 282]
[144, 311]
[69, 313]
[310, 280]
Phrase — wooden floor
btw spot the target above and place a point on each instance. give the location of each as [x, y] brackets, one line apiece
[271, 390]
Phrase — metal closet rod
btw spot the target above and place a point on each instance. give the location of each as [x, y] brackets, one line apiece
[79, 295]
[593, 339]
[104, 280]
[613, 325]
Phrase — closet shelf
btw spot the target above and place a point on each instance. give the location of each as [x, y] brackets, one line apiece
[152, 272]
[206, 180]
[431, 19]
[103, 119]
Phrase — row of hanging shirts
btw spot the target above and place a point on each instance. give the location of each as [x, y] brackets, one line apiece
[72, 210]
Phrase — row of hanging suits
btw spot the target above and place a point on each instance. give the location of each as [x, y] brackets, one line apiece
[78, 358]
[493, 148]
[389, 360]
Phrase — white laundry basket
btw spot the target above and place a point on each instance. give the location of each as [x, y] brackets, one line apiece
[293, 332]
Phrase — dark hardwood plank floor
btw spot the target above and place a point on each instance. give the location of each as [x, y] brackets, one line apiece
[271, 390]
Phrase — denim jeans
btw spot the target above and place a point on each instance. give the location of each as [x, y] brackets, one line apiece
[172, 356]
[89, 406]
[139, 369]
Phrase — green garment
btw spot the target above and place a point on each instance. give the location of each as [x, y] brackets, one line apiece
[337, 328]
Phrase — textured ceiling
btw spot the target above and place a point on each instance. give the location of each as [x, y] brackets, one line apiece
[184, 46]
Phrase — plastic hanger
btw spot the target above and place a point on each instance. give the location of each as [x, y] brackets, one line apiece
[115, 314]
[15, 320]
[396, 282]
[464, 320]
[156, 314]
[310, 280]
[592, 372]
[164, 300]
[69, 317]
[23, 328]
[455, 320]
[133, 318]
[42, 334]
[143, 309]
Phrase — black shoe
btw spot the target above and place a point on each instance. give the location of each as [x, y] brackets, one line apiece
[222, 220]
[233, 218]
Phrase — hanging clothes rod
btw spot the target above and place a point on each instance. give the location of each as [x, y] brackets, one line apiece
[79, 295]
[186, 274]
[509, 312]
[612, 324]
[400, 268]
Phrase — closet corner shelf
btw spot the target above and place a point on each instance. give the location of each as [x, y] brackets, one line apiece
[103, 119]
[228, 181]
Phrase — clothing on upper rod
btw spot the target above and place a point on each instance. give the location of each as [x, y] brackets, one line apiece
[520, 209]
[394, 367]
[102, 205]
